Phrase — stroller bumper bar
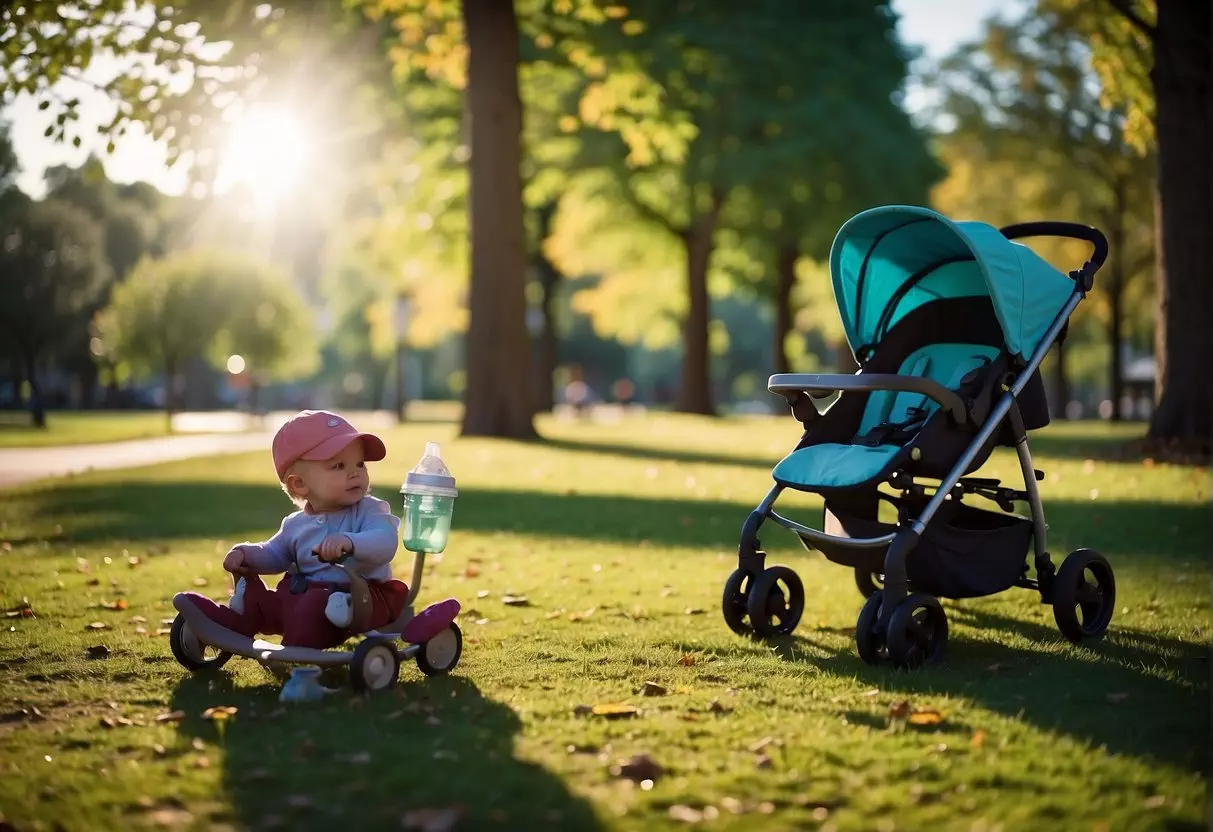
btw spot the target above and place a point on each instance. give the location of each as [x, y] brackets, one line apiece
[789, 384]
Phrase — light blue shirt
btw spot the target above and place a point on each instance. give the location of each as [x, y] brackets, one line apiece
[369, 524]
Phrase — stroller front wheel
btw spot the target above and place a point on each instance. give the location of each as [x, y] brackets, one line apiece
[733, 604]
[918, 631]
[1084, 583]
[869, 641]
[772, 611]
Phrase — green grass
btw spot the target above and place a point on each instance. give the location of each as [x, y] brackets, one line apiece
[621, 537]
[79, 427]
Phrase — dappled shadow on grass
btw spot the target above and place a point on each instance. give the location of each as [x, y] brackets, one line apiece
[226, 511]
[1137, 693]
[669, 455]
[364, 762]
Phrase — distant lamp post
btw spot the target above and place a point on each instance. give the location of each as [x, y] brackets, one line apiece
[404, 311]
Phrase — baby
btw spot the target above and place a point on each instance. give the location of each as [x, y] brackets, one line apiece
[320, 459]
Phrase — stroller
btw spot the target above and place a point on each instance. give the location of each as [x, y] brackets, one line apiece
[949, 322]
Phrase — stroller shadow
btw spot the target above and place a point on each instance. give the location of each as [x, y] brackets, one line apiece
[434, 744]
[1098, 695]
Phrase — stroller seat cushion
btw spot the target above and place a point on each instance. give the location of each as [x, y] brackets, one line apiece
[832, 465]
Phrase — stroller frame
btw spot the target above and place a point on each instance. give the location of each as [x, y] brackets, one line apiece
[897, 623]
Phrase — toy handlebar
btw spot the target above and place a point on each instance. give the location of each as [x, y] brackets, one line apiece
[1071, 230]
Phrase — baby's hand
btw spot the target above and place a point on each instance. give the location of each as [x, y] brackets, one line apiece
[333, 547]
[234, 562]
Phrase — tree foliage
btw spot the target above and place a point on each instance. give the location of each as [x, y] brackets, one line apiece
[52, 271]
[207, 305]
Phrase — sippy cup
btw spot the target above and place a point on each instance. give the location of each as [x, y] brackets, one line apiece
[429, 501]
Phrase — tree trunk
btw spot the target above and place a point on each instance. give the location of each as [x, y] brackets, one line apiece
[1184, 338]
[785, 277]
[497, 401]
[545, 351]
[1061, 383]
[695, 393]
[37, 409]
[1116, 277]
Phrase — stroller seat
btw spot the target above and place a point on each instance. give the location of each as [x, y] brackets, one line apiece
[890, 420]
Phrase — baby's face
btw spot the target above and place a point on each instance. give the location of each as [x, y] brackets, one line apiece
[338, 481]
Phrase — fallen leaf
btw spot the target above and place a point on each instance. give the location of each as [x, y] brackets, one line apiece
[515, 601]
[899, 710]
[685, 813]
[639, 768]
[1156, 801]
[97, 625]
[138, 619]
[761, 744]
[653, 689]
[171, 816]
[98, 651]
[471, 571]
[581, 616]
[872, 692]
[693, 611]
[979, 738]
[686, 660]
[172, 716]
[167, 622]
[613, 710]
[120, 604]
[200, 581]
[432, 820]
[163, 631]
[219, 712]
[484, 593]
[927, 716]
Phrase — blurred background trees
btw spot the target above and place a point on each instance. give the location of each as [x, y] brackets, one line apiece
[492, 200]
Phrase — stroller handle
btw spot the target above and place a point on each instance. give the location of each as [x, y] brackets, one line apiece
[1072, 230]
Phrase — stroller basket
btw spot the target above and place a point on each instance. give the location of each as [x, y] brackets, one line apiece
[965, 552]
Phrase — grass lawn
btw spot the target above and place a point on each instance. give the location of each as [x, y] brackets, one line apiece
[619, 537]
[74, 427]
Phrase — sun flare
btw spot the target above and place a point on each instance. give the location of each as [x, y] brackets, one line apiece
[266, 151]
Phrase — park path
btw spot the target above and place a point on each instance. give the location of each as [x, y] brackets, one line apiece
[20, 465]
[198, 434]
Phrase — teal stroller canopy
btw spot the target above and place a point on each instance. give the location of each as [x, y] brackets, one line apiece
[886, 262]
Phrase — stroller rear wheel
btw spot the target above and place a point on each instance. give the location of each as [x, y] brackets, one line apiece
[733, 604]
[1084, 583]
[772, 611]
[918, 631]
[869, 583]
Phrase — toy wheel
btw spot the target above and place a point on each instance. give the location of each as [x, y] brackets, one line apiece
[189, 651]
[441, 653]
[733, 604]
[869, 641]
[771, 610]
[918, 631]
[374, 666]
[1084, 595]
[868, 582]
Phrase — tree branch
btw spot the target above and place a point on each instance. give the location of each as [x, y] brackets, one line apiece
[648, 212]
[1125, 7]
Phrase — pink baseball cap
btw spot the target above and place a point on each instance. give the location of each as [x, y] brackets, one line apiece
[319, 434]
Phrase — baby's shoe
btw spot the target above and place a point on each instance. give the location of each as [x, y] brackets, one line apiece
[236, 602]
[339, 610]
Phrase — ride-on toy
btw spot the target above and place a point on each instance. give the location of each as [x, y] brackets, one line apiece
[431, 637]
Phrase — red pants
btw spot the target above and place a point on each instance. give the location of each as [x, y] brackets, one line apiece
[299, 619]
